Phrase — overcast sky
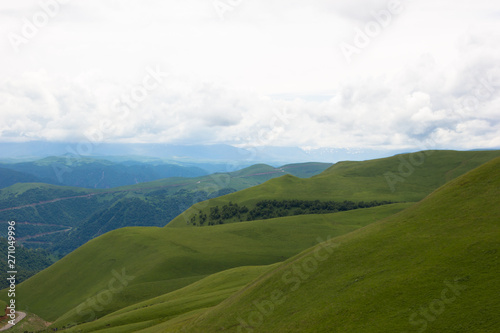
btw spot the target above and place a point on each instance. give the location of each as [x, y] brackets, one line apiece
[310, 73]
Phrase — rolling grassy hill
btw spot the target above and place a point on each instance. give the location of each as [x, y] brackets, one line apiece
[162, 260]
[63, 218]
[200, 295]
[371, 277]
[433, 267]
[406, 177]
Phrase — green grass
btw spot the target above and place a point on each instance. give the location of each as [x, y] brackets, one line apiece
[305, 170]
[356, 289]
[238, 180]
[146, 204]
[302, 170]
[359, 181]
[391, 276]
[162, 260]
[203, 294]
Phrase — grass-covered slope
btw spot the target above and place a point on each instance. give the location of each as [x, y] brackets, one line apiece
[63, 218]
[305, 170]
[153, 261]
[433, 267]
[406, 177]
[301, 170]
[123, 272]
[200, 295]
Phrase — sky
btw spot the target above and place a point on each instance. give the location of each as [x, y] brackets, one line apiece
[311, 74]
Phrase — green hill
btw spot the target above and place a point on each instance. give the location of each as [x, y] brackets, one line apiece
[200, 295]
[305, 170]
[301, 170]
[161, 260]
[406, 177]
[373, 278]
[62, 218]
[432, 267]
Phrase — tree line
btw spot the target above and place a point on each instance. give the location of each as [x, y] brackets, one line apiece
[267, 209]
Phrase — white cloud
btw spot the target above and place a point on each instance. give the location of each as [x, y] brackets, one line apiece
[432, 73]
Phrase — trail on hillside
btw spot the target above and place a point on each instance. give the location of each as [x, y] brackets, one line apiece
[89, 195]
[44, 234]
[48, 201]
[19, 316]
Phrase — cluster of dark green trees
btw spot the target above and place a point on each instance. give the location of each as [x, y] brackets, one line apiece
[219, 215]
[267, 209]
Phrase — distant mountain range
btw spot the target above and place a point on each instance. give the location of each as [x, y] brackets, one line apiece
[230, 157]
[10, 177]
[91, 172]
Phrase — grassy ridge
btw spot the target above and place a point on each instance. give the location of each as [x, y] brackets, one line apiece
[96, 211]
[431, 267]
[406, 177]
[203, 294]
[163, 259]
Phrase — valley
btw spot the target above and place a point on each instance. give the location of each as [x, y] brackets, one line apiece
[338, 270]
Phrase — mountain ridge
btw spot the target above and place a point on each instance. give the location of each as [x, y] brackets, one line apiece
[392, 179]
[449, 266]
[189, 255]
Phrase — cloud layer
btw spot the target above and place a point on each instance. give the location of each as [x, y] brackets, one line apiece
[253, 73]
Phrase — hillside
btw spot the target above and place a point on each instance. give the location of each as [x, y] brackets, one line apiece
[63, 218]
[401, 178]
[161, 260]
[110, 172]
[305, 170]
[370, 277]
[10, 177]
[29, 261]
[431, 267]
